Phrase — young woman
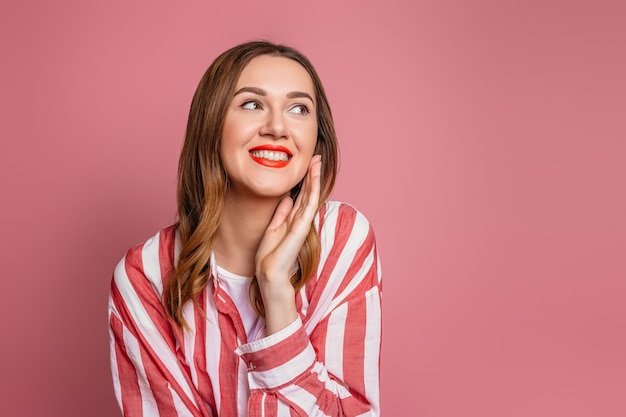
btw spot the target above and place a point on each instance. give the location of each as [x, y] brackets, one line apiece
[264, 299]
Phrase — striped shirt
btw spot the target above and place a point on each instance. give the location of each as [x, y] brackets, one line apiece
[325, 363]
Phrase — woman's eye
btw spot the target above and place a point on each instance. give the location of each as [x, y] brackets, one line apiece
[300, 109]
[251, 105]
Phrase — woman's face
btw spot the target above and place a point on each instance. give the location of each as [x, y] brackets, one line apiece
[270, 129]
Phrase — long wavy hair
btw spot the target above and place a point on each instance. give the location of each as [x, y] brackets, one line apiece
[203, 183]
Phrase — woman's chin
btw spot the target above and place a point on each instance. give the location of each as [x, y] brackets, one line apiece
[260, 193]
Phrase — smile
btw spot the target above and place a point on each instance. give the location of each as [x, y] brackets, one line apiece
[271, 156]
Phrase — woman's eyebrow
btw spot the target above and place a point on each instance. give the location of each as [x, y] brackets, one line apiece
[262, 92]
[254, 90]
[300, 94]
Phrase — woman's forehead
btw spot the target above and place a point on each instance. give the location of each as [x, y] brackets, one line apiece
[276, 74]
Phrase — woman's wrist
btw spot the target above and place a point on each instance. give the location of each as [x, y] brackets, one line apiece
[279, 299]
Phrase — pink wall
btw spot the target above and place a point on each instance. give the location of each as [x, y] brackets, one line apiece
[486, 143]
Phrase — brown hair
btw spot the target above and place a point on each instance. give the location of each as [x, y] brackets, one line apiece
[202, 180]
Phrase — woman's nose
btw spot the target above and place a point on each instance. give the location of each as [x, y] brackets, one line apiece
[274, 125]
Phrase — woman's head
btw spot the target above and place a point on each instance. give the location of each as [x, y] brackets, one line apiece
[202, 176]
[270, 129]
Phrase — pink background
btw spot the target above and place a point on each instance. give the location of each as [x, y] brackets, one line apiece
[485, 140]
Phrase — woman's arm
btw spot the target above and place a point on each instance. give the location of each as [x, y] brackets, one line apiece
[328, 365]
[147, 374]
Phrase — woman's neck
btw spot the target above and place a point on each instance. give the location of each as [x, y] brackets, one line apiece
[241, 229]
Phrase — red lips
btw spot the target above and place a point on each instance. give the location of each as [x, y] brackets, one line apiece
[260, 159]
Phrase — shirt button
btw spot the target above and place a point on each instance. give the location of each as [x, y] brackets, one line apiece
[251, 367]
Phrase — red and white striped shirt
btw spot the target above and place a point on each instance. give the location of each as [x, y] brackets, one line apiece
[326, 363]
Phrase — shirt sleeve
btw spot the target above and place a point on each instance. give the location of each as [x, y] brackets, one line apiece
[334, 370]
[148, 377]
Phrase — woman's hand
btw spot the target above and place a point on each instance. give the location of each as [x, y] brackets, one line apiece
[279, 248]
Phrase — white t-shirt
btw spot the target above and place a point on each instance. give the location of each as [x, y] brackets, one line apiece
[238, 289]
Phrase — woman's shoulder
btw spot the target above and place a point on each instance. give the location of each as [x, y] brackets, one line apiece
[147, 262]
[340, 220]
[342, 212]
[348, 263]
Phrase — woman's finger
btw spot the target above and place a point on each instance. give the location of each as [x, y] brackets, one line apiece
[281, 213]
[311, 198]
[308, 197]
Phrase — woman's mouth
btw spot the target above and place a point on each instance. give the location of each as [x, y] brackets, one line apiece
[271, 156]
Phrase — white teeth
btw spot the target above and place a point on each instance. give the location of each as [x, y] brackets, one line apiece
[271, 155]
